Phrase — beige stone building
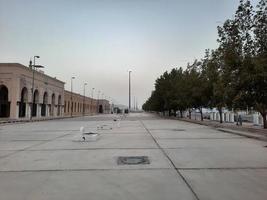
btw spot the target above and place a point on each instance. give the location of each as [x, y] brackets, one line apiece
[16, 95]
[48, 96]
[78, 105]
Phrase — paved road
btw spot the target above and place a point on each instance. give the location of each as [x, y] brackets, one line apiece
[48, 160]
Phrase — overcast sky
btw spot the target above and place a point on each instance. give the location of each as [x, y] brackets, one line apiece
[98, 41]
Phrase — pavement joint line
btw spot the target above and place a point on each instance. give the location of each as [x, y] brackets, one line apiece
[133, 169]
[89, 169]
[221, 168]
[26, 140]
[103, 148]
[85, 149]
[158, 138]
[172, 163]
[26, 148]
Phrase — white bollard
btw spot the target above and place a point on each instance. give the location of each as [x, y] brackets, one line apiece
[256, 119]
[227, 117]
[217, 116]
[119, 123]
[211, 116]
[222, 117]
[232, 117]
[260, 120]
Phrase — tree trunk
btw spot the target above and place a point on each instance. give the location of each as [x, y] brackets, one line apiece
[201, 114]
[174, 113]
[189, 113]
[263, 114]
[169, 112]
[220, 113]
[181, 113]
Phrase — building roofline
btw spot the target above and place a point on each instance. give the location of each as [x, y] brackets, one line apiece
[74, 93]
[27, 68]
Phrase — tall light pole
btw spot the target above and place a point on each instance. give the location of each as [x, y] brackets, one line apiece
[92, 96]
[84, 97]
[130, 90]
[33, 72]
[71, 104]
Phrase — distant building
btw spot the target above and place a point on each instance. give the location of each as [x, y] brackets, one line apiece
[48, 99]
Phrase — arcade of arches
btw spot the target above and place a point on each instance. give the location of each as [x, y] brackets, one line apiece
[48, 99]
[17, 100]
[4, 102]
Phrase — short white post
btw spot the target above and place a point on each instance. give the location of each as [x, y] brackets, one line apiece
[256, 119]
[232, 117]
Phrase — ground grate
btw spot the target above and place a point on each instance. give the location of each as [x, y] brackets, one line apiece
[133, 160]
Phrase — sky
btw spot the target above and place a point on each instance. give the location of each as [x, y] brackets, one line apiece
[99, 41]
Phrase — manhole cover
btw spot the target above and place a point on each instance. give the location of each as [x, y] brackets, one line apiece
[133, 160]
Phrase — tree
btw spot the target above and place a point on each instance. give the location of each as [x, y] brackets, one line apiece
[259, 76]
[196, 87]
[243, 46]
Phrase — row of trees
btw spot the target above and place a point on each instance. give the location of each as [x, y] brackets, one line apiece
[233, 76]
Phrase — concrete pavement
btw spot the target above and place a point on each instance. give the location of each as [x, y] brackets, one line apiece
[48, 160]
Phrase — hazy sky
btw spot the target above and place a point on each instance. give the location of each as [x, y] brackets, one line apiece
[98, 41]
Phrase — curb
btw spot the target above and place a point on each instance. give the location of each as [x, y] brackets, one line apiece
[7, 122]
[245, 131]
[248, 135]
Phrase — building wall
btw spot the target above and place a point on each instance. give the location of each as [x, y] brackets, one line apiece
[49, 97]
[17, 79]
[75, 106]
[79, 105]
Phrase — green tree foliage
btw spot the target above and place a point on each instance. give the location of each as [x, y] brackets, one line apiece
[234, 75]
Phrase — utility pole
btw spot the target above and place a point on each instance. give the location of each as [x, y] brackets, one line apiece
[130, 90]
[33, 72]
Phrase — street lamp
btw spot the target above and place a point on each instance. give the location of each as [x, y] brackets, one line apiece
[130, 90]
[34, 67]
[84, 97]
[71, 104]
[92, 96]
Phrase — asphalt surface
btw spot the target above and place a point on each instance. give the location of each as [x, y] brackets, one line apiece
[50, 160]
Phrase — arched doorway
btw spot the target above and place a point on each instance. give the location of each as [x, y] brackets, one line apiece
[23, 101]
[53, 104]
[100, 110]
[35, 101]
[59, 105]
[43, 109]
[4, 104]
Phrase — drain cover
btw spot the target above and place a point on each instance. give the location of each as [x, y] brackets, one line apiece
[133, 160]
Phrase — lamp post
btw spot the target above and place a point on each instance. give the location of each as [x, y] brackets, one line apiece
[84, 98]
[92, 96]
[71, 104]
[130, 90]
[33, 72]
